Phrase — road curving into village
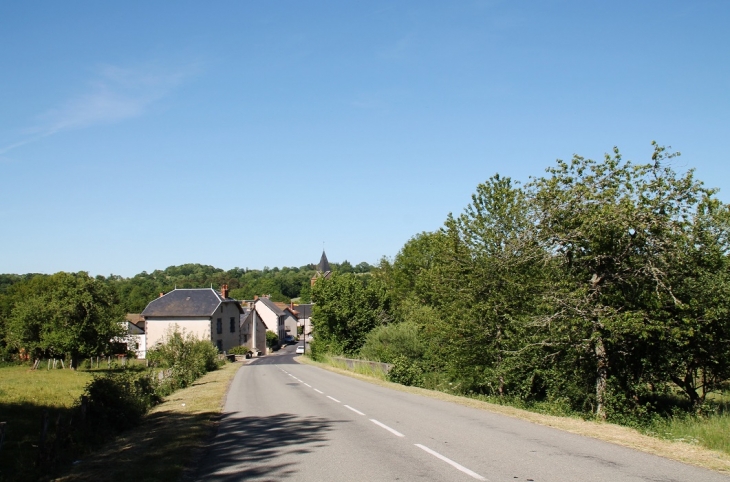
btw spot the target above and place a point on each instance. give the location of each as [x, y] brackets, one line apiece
[288, 421]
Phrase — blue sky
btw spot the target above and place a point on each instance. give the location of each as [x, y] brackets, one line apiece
[141, 135]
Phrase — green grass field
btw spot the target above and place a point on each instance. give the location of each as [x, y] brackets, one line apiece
[24, 395]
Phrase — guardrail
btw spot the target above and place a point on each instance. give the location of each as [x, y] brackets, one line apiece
[354, 363]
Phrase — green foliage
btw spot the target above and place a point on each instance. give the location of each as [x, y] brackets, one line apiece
[118, 400]
[272, 338]
[385, 343]
[602, 287]
[406, 372]
[187, 357]
[64, 315]
[239, 350]
[347, 307]
[625, 238]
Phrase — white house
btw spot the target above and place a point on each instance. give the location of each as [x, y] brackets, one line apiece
[280, 321]
[204, 312]
[136, 339]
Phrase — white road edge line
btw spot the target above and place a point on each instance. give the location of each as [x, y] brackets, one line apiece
[451, 462]
[318, 391]
[307, 384]
[355, 410]
[333, 399]
[393, 431]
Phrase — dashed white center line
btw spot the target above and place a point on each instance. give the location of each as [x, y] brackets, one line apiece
[333, 399]
[451, 462]
[391, 430]
[307, 384]
[354, 410]
[318, 391]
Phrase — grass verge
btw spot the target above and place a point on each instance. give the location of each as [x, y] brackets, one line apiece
[171, 437]
[712, 431]
[671, 448]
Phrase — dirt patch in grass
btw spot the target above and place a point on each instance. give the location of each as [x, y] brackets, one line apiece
[628, 437]
[170, 439]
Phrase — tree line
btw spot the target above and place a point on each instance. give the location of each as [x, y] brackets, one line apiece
[601, 286]
[74, 315]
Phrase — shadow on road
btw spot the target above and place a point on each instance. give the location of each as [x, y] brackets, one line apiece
[254, 447]
[276, 359]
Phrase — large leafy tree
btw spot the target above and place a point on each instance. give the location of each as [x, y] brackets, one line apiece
[70, 314]
[491, 274]
[347, 307]
[622, 236]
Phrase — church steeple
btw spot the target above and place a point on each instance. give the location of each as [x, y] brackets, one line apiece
[323, 269]
[324, 265]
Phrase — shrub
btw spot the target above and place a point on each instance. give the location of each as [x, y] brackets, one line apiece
[388, 342]
[117, 400]
[239, 350]
[186, 356]
[406, 372]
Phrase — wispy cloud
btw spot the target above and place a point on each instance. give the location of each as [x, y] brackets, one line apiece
[112, 95]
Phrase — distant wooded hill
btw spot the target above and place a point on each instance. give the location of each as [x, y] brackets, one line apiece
[283, 284]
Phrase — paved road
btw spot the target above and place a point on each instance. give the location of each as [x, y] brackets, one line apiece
[286, 421]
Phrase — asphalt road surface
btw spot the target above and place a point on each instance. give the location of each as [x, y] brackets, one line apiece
[289, 422]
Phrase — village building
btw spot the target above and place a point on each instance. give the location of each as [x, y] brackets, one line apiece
[204, 312]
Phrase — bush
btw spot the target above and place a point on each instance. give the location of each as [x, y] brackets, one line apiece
[186, 356]
[118, 400]
[239, 350]
[388, 342]
[406, 372]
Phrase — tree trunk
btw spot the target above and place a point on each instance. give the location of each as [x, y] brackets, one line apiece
[689, 387]
[601, 377]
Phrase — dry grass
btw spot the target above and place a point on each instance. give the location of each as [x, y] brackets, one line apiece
[628, 437]
[170, 439]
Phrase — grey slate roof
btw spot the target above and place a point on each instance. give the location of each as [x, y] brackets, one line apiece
[187, 302]
[136, 329]
[324, 265]
[270, 304]
[305, 310]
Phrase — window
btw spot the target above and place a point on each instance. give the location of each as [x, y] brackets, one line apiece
[219, 326]
[233, 325]
[245, 338]
[219, 344]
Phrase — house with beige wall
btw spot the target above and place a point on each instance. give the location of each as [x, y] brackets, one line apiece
[204, 312]
[280, 321]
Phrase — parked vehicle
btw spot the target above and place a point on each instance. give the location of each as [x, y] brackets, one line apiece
[300, 350]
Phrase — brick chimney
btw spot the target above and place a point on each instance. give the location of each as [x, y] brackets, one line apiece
[224, 291]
